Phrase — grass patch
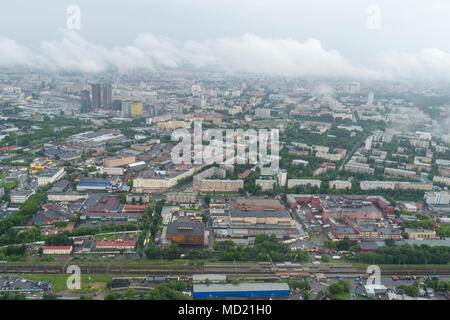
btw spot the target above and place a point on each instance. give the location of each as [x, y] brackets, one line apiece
[97, 282]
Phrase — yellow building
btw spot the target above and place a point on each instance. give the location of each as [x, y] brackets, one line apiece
[414, 234]
[136, 108]
[174, 124]
[41, 163]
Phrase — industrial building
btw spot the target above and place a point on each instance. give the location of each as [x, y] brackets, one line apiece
[93, 185]
[118, 162]
[242, 290]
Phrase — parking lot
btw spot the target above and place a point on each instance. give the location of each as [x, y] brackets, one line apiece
[19, 284]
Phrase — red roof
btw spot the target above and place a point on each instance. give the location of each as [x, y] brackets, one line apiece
[245, 173]
[49, 221]
[57, 247]
[8, 148]
[182, 166]
[103, 243]
[327, 164]
[340, 151]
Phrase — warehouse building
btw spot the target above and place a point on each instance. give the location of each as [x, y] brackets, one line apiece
[118, 162]
[242, 290]
[98, 184]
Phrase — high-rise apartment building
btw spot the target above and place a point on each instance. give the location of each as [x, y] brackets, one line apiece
[96, 91]
[102, 96]
[136, 109]
[107, 96]
[86, 105]
[370, 99]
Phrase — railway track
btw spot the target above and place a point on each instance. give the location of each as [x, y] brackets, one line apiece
[230, 269]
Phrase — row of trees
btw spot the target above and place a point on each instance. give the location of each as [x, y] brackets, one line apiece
[339, 290]
[437, 285]
[341, 245]
[12, 251]
[46, 131]
[411, 291]
[26, 211]
[174, 252]
[406, 254]
[165, 291]
[265, 248]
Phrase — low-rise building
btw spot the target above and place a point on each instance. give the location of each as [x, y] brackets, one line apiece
[303, 182]
[103, 245]
[50, 175]
[442, 197]
[265, 184]
[66, 197]
[202, 182]
[181, 197]
[441, 179]
[359, 167]
[373, 185]
[112, 171]
[57, 249]
[242, 290]
[118, 162]
[414, 234]
[340, 184]
[20, 196]
[188, 233]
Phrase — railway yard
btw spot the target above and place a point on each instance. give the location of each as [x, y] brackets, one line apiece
[286, 269]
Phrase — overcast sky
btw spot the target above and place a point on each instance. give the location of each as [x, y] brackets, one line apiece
[288, 37]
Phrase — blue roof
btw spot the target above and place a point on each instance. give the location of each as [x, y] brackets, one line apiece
[201, 291]
[99, 184]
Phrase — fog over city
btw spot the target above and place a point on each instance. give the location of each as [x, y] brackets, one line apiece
[270, 37]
